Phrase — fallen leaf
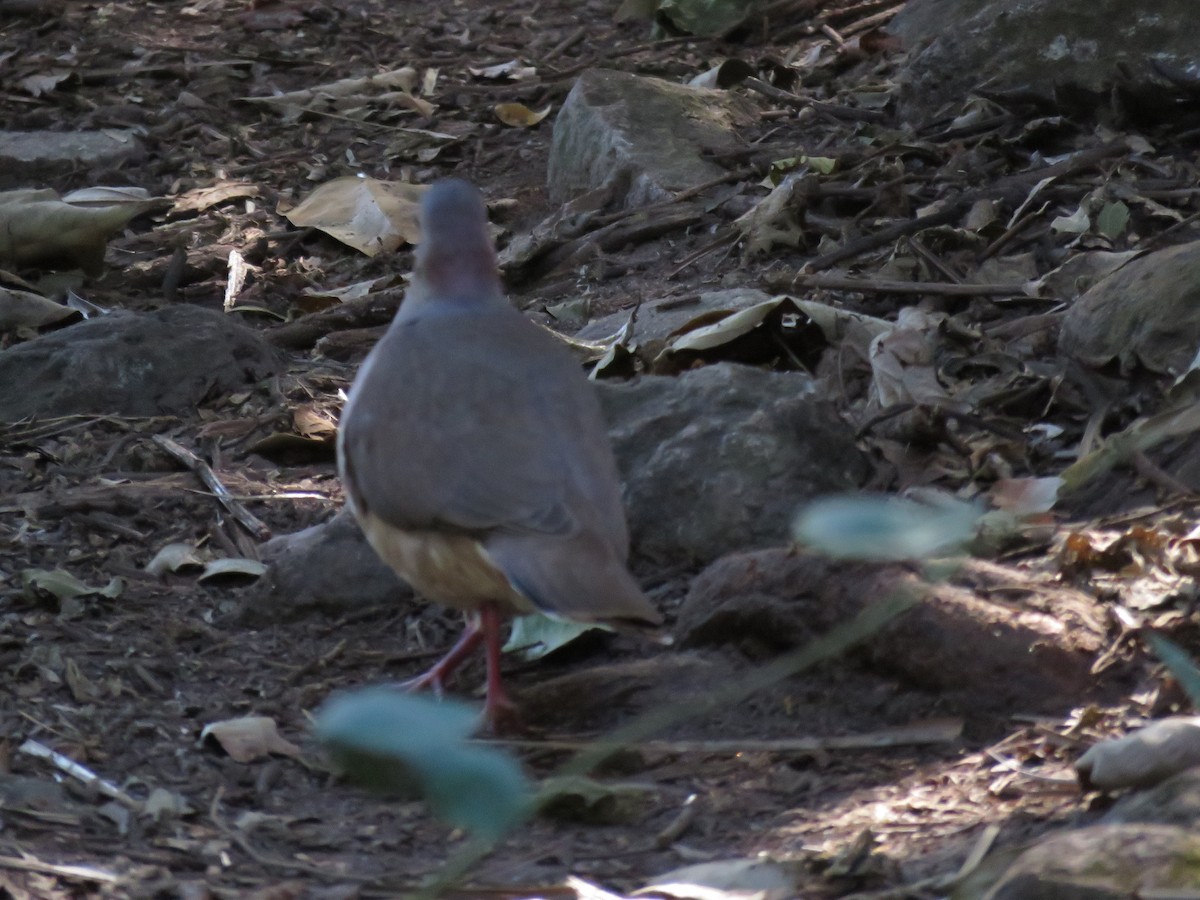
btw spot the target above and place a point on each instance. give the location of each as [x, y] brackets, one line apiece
[512, 70]
[518, 115]
[200, 199]
[369, 215]
[174, 557]
[232, 566]
[537, 635]
[249, 738]
[727, 879]
[64, 585]
[1025, 496]
[22, 309]
[37, 228]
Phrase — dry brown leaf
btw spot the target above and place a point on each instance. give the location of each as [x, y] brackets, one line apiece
[310, 422]
[364, 213]
[249, 738]
[22, 309]
[902, 362]
[518, 115]
[204, 198]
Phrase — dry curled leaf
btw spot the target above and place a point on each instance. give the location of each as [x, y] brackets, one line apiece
[518, 115]
[38, 228]
[367, 214]
[249, 738]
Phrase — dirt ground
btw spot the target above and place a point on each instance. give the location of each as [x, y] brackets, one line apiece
[125, 685]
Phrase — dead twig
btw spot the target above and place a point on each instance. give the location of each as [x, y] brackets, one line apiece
[204, 472]
[839, 282]
[937, 732]
[75, 873]
[81, 773]
[833, 110]
[1006, 188]
[243, 842]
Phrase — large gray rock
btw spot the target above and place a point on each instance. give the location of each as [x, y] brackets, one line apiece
[1075, 49]
[27, 156]
[717, 459]
[327, 568]
[713, 460]
[977, 656]
[614, 124]
[1146, 313]
[1175, 801]
[1104, 862]
[132, 364]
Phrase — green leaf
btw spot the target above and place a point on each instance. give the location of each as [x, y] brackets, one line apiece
[876, 527]
[824, 165]
[706, 17]
[1112, 219]
[390, 740]
[63, 585]
[537, 635]
[1179, 664]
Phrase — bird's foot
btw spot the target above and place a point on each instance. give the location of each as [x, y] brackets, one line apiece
[501, 718]
[432, 681]
[435, 678]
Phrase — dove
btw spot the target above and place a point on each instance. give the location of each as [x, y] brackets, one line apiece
[476, 459]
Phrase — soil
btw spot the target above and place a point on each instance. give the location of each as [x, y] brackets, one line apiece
[125, 685]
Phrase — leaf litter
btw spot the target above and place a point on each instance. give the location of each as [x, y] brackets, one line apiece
[118, 680]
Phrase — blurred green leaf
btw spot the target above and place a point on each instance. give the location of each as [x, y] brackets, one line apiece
[877, 527]
[1179, 664]
[389, 740]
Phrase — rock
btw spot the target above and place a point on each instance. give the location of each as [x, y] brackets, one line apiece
[1175, 801]
[761, 602]
[27, 156]
[1058, 51]
[133, 364]
[718, 458]
[1144, 757]
[614, 123]
[604, 695]
[713, 459]
[1104, 862]
[1147, 312]
[328, 568]
[979, 656]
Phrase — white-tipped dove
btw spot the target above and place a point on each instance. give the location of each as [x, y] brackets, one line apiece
[475, 456]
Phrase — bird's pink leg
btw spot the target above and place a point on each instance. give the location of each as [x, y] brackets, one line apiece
[499, 711]
[435, 677]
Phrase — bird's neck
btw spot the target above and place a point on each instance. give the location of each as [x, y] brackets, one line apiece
[462, 276]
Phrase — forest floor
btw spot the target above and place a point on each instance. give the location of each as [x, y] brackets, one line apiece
[125, 685]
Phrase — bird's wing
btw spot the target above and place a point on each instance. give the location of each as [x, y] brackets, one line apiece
[477, 424]
[577, 576]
